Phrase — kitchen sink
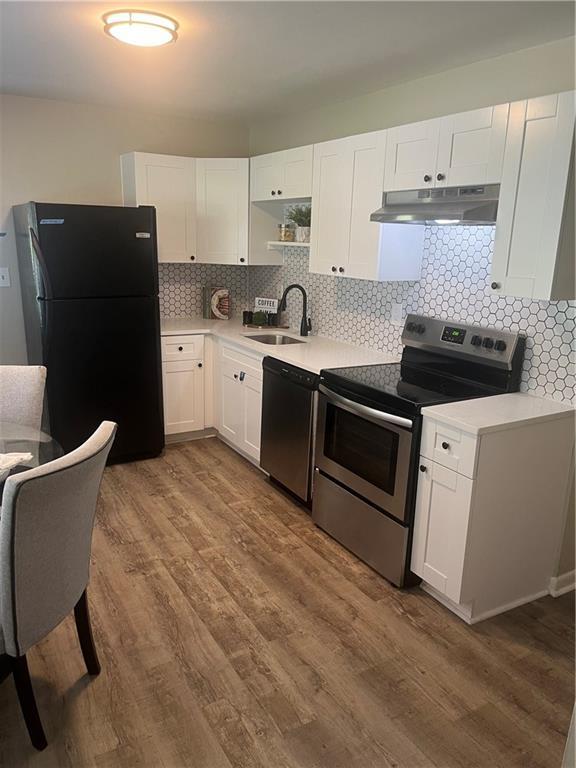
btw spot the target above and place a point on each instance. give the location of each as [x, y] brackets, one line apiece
[274, 338]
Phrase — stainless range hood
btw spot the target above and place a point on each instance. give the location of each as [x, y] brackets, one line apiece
[445, 205]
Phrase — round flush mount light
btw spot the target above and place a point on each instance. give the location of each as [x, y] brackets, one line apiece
[141, 28]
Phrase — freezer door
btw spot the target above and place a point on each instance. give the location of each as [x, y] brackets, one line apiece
[103, 361]
[97, 251]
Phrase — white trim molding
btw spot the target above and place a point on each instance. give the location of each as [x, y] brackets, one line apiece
[563, 583]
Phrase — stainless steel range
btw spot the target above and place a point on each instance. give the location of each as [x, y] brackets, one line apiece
[369, 424]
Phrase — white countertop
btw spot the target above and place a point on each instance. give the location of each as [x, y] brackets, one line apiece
[491, 414]
[314, 354]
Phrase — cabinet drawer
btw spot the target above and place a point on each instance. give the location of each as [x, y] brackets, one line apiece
[449, 447]
[238, 361]
[182, 348]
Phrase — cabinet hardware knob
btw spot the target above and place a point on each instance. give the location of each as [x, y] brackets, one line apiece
[427, 177]
[495, 286]
[235, 375]
[341, 269]
[192, 258]
[279, 191]
[422, 468]
[199, 365]
[333, 269]
[440, 177]
[242, 260]
[273, 191]
[445, 446]
[180, 349]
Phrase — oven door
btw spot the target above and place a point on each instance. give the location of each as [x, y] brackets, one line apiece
[366, 450]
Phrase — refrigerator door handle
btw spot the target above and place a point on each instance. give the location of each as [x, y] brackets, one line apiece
[42, 264]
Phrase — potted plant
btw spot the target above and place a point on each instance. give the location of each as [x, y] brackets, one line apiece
[300, 216]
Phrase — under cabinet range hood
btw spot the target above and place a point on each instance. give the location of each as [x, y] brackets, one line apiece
[475, 206]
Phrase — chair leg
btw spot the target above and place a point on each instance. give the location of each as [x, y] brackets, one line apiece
[84, 629]
[27, 701]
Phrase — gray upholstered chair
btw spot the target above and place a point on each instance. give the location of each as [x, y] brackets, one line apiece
[22, 394]
[45, 541]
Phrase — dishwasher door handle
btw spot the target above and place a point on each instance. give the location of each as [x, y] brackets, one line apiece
[364, 410]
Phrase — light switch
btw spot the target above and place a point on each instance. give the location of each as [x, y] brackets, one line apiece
[397, 314]
[4, 277]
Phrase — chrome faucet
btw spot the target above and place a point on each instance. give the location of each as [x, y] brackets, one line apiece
[305, 324]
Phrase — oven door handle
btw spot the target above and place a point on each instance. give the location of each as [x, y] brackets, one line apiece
[364, 410]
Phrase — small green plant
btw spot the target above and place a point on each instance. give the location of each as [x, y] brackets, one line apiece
[300, 215]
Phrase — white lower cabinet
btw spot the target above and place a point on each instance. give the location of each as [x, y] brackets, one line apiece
[183, 383]
[239, 399]
[442, 510]
[491, 502]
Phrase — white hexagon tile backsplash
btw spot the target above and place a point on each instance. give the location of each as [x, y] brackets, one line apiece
[454, 285]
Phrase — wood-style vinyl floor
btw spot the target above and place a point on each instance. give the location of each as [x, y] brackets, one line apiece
[232, 632]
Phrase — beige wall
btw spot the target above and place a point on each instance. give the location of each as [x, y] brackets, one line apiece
[531, 72]
[65, 152]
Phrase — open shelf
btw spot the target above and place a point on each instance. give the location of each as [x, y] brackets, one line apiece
[276, 245]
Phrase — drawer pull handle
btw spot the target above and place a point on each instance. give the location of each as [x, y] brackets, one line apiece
[180, 349]
[445, 446]
[199, 365]
[242, 375]
[422, 468]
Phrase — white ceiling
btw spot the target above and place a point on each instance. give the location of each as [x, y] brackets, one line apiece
[248, 60]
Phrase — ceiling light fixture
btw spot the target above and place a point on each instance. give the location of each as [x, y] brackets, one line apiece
[140, 27]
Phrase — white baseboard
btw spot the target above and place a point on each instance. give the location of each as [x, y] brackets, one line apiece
[559, 585]
[466, 612]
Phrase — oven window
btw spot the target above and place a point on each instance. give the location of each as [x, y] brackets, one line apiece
[368, 450]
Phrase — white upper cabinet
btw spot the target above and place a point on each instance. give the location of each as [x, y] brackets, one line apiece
[201, 205]
[456, 150]
[222, 210]
[332, 204]
[471, 147]
[168, 183]
[411, 154]
[534, 243]
[347, 188]
[282, 175]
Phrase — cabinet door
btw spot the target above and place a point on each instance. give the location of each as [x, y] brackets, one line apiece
[367, 157]
[183, 396]
[534, 243]
[332, 196]
[252, 421]
[411, 154]
[222, 210]
[471, 147]
[440, 527]
[297, 172]
[266, 176]
[231, 404]
[168, 183]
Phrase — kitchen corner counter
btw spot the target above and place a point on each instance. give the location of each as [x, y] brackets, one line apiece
[491, 414]
[314, 354]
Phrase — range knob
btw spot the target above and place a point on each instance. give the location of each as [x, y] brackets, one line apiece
[410, 326]
[488, 342]
[500, 345]
[476, 341]
[420, 328]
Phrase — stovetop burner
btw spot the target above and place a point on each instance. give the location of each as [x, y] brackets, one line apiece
[435, 369]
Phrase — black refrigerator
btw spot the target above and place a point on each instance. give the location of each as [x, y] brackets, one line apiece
[89, 281]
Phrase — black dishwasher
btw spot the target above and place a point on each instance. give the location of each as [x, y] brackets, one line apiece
[288, 419]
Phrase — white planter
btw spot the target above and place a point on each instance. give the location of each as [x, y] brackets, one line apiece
[302, 234]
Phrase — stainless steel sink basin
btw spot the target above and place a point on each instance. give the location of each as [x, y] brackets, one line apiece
[274, 338]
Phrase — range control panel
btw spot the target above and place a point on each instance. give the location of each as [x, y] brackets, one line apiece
[487, 345]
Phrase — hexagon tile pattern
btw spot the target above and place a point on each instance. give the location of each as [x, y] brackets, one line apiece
[181, 287]
[454, 285]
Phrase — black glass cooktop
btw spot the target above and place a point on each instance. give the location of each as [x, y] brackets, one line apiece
[400, 387]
